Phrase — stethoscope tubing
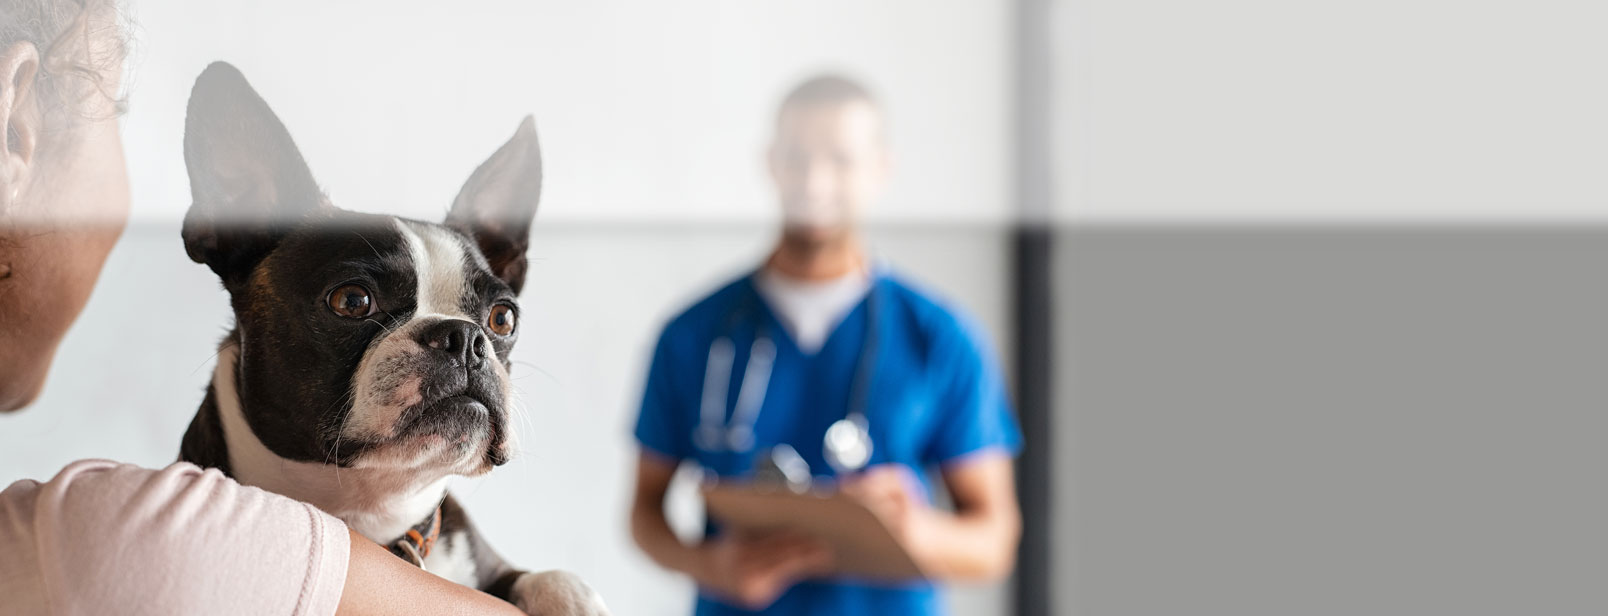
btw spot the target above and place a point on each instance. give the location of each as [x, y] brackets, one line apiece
[738, 433]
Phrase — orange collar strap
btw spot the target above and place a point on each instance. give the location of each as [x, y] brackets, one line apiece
[416, 544]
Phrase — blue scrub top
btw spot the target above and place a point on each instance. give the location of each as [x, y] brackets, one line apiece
[936, 395]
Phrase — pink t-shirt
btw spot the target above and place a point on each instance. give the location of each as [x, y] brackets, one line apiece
[109, 538]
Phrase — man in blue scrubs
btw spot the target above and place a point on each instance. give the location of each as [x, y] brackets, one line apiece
[816, 335]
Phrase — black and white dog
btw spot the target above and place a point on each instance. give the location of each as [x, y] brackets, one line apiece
[369, 358]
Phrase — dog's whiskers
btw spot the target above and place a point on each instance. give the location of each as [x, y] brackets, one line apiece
[382, 325]
[371, 246]
[349, 399]
[528, 426]
[517, 445]
[210, 359]
[535, 367]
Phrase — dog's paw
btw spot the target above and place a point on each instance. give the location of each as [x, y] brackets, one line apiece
[556, 593]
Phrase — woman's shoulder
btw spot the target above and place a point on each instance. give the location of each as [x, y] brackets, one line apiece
[100, 532]
[94, 493]
[105, 474]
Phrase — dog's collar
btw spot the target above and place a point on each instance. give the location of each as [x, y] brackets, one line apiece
[417, 542]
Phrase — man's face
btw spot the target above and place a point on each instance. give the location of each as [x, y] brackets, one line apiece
[829, 162]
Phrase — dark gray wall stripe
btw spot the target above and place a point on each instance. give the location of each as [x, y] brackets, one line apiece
[1032, 308]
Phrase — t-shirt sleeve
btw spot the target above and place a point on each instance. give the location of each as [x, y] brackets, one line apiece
[663, 423]
[973, 406]
[107, 538]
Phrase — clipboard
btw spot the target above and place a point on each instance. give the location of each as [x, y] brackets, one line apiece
[864, 546]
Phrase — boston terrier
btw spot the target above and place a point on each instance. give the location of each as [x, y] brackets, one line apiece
[368, 362]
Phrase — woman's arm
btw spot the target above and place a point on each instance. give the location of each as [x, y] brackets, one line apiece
[377, 582]
[105, 538]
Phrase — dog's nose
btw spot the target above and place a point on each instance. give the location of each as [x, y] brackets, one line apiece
[460, 340]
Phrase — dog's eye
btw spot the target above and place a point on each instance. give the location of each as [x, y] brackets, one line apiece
[501, 320]
[351, 301]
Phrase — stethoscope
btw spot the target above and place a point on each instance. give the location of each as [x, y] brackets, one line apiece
[847, 442]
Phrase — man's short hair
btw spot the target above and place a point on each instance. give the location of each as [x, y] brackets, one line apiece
[826, 89]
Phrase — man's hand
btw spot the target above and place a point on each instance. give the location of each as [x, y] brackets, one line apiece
[977, 542]
[753, 571]
[895, 494]
[750, 570]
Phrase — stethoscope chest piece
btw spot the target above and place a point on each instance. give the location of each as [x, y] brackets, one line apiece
[848, 444]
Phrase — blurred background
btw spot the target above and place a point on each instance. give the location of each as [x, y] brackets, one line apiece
[1300, 300]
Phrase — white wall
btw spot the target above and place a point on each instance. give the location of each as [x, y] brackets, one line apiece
[648, 111]
[1370, 110]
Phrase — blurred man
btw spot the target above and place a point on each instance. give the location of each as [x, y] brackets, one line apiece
[843, 364]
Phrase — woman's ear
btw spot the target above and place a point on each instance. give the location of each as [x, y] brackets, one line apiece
[20, 117]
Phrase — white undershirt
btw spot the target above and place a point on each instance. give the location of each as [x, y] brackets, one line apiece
[812, 309]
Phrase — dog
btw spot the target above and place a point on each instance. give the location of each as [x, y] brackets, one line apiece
[368, 362]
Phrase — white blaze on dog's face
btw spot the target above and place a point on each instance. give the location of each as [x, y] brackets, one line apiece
[417, 391]
[384, 386]
[365, 341]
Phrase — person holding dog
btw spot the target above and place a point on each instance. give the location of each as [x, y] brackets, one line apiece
[827, 363]
[108, 538]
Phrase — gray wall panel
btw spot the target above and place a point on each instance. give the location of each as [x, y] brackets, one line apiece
[1270, 420]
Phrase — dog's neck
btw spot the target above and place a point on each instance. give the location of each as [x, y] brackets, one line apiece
[378, 503]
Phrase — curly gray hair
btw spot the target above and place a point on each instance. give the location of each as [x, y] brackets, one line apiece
[79, 42]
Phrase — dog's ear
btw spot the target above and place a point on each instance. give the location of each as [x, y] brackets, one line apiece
[247, 179]
[498, 202]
